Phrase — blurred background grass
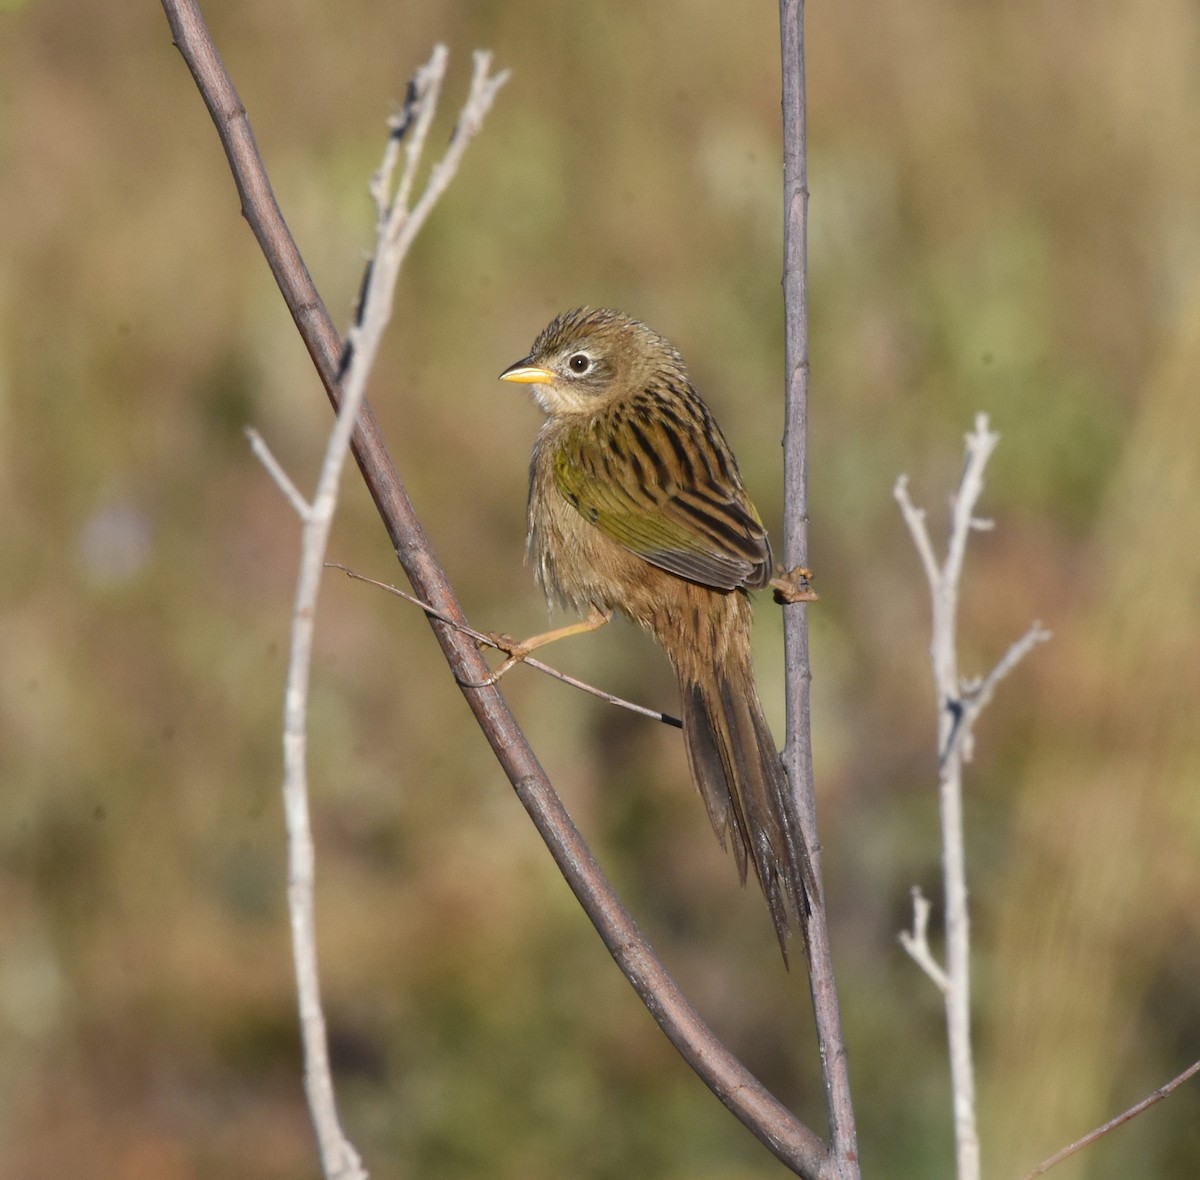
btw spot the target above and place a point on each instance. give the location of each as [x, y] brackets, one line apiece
[1004, 218]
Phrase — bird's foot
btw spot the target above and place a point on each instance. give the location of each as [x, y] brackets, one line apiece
[793, 586]
[519, 649]
[513, 648]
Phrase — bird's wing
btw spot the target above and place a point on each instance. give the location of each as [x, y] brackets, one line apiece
[660, 480]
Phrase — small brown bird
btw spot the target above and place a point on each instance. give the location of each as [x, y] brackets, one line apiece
[636, 505]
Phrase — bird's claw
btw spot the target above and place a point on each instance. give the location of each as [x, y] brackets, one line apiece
[504, 643]
[793, 586]
[514, 649]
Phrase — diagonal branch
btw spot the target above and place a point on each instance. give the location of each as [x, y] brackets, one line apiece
[786, 1137]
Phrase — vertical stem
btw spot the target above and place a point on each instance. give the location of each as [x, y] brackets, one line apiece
[954, 868]
[795, 296]
[958, 969]
[843, 1160]
[956, 715]
[944, 651]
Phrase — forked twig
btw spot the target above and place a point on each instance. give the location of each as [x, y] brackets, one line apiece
[959, 703]
[916, 941]
[975, 695]
[397, 226]
[300, 506]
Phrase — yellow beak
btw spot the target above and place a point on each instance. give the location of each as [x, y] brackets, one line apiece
[526, 374]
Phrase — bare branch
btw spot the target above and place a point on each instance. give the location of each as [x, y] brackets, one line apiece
[484, 88]
[842, 1163]
[421, 102]
[959, 705]
[338, 1157]
[982, 694]
[976, 696]
[1112, 1124]
[398, 224]
[780, 1131]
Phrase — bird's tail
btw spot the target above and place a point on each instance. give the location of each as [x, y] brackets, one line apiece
[741, 777]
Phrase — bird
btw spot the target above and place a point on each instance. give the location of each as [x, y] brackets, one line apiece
[636, 506]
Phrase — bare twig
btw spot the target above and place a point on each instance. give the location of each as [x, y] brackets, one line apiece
[842, 1163]
[409, 126]
[397, 227]
[915, 519]
[777, 1128]
[916, 941]
[977, 693]
[300, 506]
[1112, 1124]
[491, 641]
[959, 704]
[397, 224]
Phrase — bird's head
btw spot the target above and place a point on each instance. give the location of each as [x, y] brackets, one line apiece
[586, 359]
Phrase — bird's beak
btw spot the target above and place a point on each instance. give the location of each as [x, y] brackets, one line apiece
[523, 373]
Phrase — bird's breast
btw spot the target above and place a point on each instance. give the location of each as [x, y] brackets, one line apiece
[579, 566]
[575, 563]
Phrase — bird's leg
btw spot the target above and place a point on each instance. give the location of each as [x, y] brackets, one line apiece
[517, 651]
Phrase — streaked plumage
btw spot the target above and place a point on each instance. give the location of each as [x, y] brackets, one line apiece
[636, 505]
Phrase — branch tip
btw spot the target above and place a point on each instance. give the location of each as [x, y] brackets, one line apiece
[275, 470]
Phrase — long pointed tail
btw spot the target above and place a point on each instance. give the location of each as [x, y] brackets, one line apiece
[740, 775]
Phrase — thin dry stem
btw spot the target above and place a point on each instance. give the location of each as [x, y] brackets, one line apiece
[977, 694]
[842, 1160]
[1113, 1123]
[916, 941]
[482, 637]
[422, 99]
[959, 705]
[300, 506]
[915, 519]
[338, 1156]
[398, 224]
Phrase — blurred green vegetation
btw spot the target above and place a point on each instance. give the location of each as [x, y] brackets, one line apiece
[1005, 217]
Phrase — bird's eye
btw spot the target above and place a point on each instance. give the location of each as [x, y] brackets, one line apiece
[579, 362]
